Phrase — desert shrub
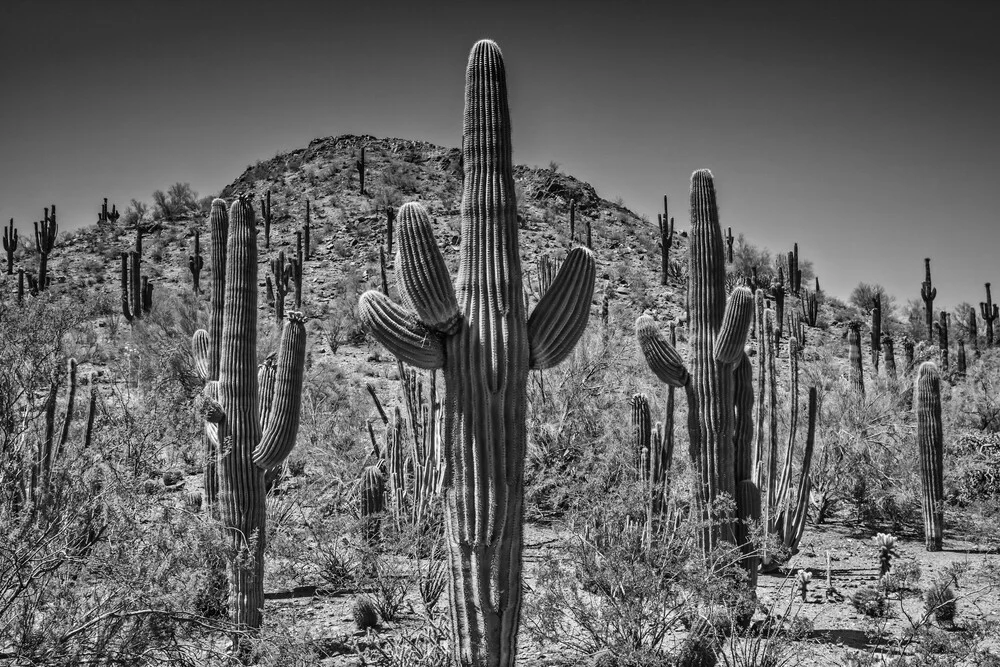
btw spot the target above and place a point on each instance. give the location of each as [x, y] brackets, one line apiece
[871, 601]
[365, 614]
[940, 602]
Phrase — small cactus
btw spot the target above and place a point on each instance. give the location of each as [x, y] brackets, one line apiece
[941, 602]
[886, 544]
[802, 579]
[365, 614]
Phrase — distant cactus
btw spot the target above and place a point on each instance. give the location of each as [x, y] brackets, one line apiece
[989, 311]
[718, 332]
[729, 245]
[908, 351]
[485, 343]
[195, 264]
[255, 422]
[973, 329]
[876, 331]
[810, 308]
[281, 274]
[20, 285]
[930, 441]
[359, 164]
[265, 213]
[961, 363]
[777, 294]
[572, 222]
[10, 245]
[666, 225]
[107, 217]
[306, 240]
[857, 369]
[941, 327]
[296, 265]
[928, 292]
[794, 272]
[890, 357]
[50, 446]
[136, 290]
[372, 494]
[45, 241]
[390, 218]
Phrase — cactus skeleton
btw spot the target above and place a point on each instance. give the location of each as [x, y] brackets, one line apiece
[930, 441]
[485, 345]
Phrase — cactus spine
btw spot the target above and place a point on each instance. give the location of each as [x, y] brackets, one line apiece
[195, 263]
[10, 245]
[927, 293]
[717, 332]
[930, 440]
[253, 435]
[485, 345]
[854, 356]
[989, 312]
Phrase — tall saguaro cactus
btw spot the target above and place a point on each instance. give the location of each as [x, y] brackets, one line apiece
[485, 344]
[876, 332]
[666, 225]
[195, 263]
[928, 292]
[45, 242]
[930, 441]
[10, 245]
[857, 373]
[989, 312]
[256, 422]
[717, 333]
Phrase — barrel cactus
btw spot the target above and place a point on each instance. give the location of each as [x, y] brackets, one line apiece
[482, 338]
[255, 422]
[930, 441]
[717, 333]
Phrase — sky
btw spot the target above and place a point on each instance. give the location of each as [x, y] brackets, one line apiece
[865, 131]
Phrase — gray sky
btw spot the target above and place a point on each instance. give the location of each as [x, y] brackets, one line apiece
[865, 131]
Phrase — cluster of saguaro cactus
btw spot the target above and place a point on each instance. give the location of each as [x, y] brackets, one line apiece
[941, 327]
[930, 441]
[254, 420]
[876, 331]
[106, 216]
[265, 213]
[45, 241]
[136, 290]
[717, 369]
[195, 263]
[810, 306]
[794, 272]
[485, 344]
[666, 226]
[653, 454]
[359, 164]
[857, 373]
[989, 311]
[928, 292]
[10, 245]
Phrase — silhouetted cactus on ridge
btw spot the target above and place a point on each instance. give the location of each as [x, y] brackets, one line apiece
[10, 245]
[928, 292]
[989, 311]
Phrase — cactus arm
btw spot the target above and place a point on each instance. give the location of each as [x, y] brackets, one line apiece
[399, 330]
[561, 315]
[427, 286]
[660, 355]
[200, 352]
[267, 374]
[283, 420]
[735, 326]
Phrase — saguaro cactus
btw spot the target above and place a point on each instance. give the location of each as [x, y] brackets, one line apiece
[729, 244]
[717, 333]
[666, 225]
[306, 240]
[281, 273]
[485, 344]
[572, 221]
[876, 332]
[265, 212]
[890, 357]
[854, 356]
[989, 312]
[930, 441]
[973, 329]
[256, 422]
[106, 216]
[390, 217]
[45, 241]
[195, 264]
[941, 327]
[10, 245]
[137, 291]
[360, 166]
[927, 293]
[961, 358]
